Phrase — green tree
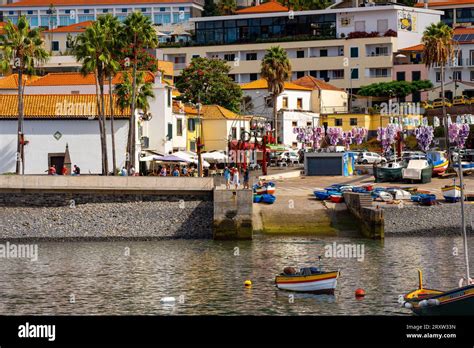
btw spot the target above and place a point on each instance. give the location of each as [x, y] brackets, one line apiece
[123, 91]
[302, 5]
[399, 89]
[207, 81]
[20, 49]
[210, 9]
[439, 51]
[227, 7]
[140, 34]
[275, 69]
[91, 51]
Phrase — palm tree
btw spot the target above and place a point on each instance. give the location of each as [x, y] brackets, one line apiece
[139, 33]
[276, 69]
[123, 91]
[24, 47]
[91, 50]
[114, 45]
[227, 7]
[439, 51]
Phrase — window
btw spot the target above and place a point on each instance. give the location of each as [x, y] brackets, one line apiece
[196, 55]
[162, 9]
[355, 74]
[285, 103]
[86, 11]
[170, 131]
[232, 76]
[338, 122]
[299, 74]
[179, 127]
[299, 54]
[269, 102]
[323, 53]
[438, 77]
[169, 97]
[379, 72]
[323, 74]
[313, 73]
[338, 74]
[354, 52]
[457, 76]
[191, 124]
[192, 146]
[181, 8]
[309, 124]
[230, 57]
[381, 51]
[253, 77]
[124, 10]
[103, 11]
[251, 56]
[416, 75]
[242, 130]
[55, 46]
[382, 25]
[234, 132]
[294, 123]
[359, 25]
[472, 75]
[179, 60]
[299, 103]
[294, 145]
[400, 76]
[353, 121]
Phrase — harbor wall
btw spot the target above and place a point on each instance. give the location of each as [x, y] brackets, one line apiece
[96, 207]
[369, 218]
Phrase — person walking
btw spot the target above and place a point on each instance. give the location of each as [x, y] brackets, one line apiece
[132, 171]
[163, 171]
[52, 170]
[123, 172]
[64, 170]
[246, 178]
[236, 178]
[176, 171]
[227, 177]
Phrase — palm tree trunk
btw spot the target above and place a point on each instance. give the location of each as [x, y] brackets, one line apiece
[104, 129]
[445, 117]
[112, 129]
[132, 106]
[275, 116]
[99, 108]
[19, 148]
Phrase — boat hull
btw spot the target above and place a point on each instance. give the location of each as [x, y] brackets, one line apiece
[324, 283]
[382, 174]
[459, 301]
[451, 193]
[440, 167]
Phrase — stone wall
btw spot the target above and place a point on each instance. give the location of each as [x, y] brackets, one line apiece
[370, 219]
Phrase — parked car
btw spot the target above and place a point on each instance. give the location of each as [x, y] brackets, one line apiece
[438, 103]
[289, 157]
[461, 100]
[410, 155]
[371, 157]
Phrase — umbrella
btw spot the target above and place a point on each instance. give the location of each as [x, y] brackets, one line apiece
[171, 158]
[215, 157]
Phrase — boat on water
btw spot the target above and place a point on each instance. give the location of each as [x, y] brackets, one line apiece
[389, 171]
[308, 279]
[451, 193]
[457, 301]
[438, 161]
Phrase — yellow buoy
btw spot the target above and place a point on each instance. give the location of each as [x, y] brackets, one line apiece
[248, 283]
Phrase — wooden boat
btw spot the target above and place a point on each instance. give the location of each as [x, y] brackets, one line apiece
[271, 190]
[267, 198]
[321, 195]
[451, 193]
[438, 161]
[459, 301]
[257, 198]
[390, 171]
[261, 190]
[336, 198]
[310, 279]
[399, 194]
[427, 199]
[418, 169]
[466, 166]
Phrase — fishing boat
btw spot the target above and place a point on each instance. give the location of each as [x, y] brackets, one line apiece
[466, 166]
[451, 193]
[336, 198]
[389, 171]
[321, 195]
[267, 198]
[428, 199]
[399, 194]
[308, 279]
[419, 170]
[257, 198]
[438, 161]
[271, 189]
[458, 301]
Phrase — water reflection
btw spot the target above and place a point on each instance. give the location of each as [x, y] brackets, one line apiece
[209, 275]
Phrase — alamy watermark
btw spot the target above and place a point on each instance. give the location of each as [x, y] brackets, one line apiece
[345, 250]
[20, 251]
[400, 109]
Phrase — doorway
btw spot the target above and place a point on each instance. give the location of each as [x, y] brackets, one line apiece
[56, 159]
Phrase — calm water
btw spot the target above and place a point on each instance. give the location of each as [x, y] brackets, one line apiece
[210, 277]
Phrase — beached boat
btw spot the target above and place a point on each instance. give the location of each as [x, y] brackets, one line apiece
[336, 198]
[451, 193]
[399, 194]
[309, 279]
[257, 198]
[419, 170]
[321, 195]
[438, 161]
[389, 171]
[466, 166]
[267, 198]
[428, 199]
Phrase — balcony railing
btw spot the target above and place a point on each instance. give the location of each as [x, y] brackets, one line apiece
[383, 54]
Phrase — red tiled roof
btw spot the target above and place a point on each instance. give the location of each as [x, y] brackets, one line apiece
[11, 81]
[314, 83]
[75, 78]
[461, 30]
[73, 28]
[419, 47]
[445, 3]
[263, 84]
[268, 7]
[47, 3]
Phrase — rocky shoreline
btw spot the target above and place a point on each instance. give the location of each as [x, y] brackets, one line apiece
[190, 219]
[438, 220]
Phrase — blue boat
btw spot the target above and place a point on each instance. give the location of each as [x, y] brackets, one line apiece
[424, 198]
[321, 195]
[269, 199]
[257, 198]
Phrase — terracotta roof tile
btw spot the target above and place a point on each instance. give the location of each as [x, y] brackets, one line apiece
[268, 7]
[434, 4]
[11, 81]
[75, 78]
[56, 3]
[180, 108]
[56, 106]
[262, 84]
[419, 47]
[314, 83]
[73, 28]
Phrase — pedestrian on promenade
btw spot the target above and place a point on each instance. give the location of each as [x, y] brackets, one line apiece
[185, 171]
[235, 178]
[52, 170]
[123, 172]
[64, 171]
[132, 171]
[227, 177]
[246, 178]
[163, 171]
[176, 171]
[76, 171]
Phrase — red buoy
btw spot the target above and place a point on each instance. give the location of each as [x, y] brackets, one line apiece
[360, 292]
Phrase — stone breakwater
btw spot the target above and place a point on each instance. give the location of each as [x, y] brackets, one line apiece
[145, 220]
[441, 220]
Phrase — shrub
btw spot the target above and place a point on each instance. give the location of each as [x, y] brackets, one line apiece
[390, 33]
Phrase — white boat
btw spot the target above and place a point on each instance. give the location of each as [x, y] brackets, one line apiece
[400, 194]
[451, 193]
[466, 166]
[308, 280]
[418, 169]
[385, 196]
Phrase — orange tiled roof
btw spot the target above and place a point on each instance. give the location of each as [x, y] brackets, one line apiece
[56, 3]
[11, 81]
[268, 7]
[56, 106]
[166, 67]
[445, 3]
[2, 24]
[180, 108]
[75, 78]
[73, 28]
[461, 30]
[419, 47]
[262, 84]
[314, 83]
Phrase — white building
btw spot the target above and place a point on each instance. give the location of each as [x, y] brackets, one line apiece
[179, 139]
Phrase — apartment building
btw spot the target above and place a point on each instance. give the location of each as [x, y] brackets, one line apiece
[350, 47]
[455, 12]
[57, 13]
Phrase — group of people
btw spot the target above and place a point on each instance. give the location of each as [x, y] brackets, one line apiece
[130, 172]
[168, 170]
[232, 177]
[64, 170]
